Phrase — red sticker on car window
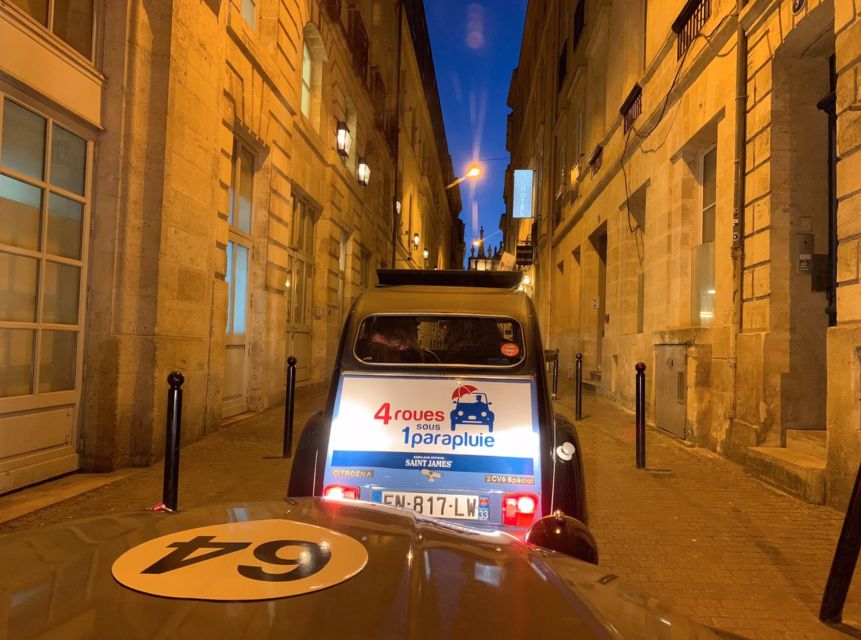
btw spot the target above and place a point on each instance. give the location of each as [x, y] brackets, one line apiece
[510, 349]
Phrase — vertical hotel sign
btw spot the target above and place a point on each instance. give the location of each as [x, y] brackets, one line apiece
[524, 180]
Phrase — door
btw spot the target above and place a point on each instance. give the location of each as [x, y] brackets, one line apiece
[671, 388]
[300, 289]
[237, 279]
[44, 210]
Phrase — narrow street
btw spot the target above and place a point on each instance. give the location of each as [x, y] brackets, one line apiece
[694, 530]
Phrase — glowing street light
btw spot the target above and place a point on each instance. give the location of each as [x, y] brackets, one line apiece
[473, 171]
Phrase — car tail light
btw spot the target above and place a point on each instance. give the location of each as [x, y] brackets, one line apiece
[518, 509]
[341, 492]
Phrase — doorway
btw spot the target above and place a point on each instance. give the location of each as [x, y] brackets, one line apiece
[599, 243]
[803, 136]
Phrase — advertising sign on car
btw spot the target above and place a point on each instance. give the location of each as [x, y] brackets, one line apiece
[442, 446]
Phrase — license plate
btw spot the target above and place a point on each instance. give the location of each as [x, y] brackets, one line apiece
[439, 505]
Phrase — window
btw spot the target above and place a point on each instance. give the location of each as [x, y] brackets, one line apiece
[311, 79]
[302, 263]
[703, 271]
[440, 340]
[69, 20]
[579, 23]
[249, 11]
[306, 81]
[43, 208]
[709, 192]
[562, 68]
[239, 239]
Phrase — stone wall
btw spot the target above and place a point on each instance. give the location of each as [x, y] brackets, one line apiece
[844, 340]
[187, 82]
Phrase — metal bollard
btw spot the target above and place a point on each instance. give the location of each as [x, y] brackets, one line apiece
[556, 375]
[288, 407]
[578, 383]
[845, 559]
[641, 414]
[172, 440]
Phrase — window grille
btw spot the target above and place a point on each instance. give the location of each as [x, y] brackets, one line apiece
[694, 15]
[632, 107]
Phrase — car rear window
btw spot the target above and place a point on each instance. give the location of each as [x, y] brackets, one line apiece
[440, 340]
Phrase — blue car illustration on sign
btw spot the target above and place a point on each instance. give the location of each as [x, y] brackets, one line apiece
[472, 408]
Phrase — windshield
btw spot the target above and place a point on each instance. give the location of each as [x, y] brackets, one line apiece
[440, 340]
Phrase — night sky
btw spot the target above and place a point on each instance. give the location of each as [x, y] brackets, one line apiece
[475, 49]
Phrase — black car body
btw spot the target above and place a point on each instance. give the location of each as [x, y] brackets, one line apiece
[538, 467]
[308, 568]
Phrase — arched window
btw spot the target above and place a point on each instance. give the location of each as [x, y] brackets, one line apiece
[313, 56]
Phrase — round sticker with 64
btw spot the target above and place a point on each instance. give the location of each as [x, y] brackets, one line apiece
[255, 560]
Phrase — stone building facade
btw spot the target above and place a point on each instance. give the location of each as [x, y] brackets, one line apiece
[697, 197]
[173, 197]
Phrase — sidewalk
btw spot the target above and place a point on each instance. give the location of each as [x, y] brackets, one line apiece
[693, 529]
[703, 536]
[241, 462]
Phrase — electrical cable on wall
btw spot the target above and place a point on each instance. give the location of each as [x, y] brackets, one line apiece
[640, 238]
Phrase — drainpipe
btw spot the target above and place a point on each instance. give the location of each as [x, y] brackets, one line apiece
[738, 200]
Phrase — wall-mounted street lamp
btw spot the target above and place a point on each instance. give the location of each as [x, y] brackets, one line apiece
[344, 139]
[363, 172]
[425, 253]
[416, 240]
[473, 172]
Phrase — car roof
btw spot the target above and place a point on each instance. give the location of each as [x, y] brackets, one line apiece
[414, 292]
[432, 300]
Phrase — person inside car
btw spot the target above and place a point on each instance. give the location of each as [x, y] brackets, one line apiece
[390, 339]
[474, 341]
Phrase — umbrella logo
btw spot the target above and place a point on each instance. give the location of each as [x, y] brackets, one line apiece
[462, 390]
[471, 407]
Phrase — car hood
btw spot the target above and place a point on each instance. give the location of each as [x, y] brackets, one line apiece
[423, 579]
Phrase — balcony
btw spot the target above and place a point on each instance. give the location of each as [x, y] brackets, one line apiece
[694, 15]
[333, 9]
[632, 107]
[357, 38]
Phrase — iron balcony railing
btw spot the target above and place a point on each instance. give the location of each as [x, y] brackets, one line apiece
[632, 107]
[694, 15]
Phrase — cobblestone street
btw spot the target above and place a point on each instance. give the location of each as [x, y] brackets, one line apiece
[703, 536]
[694, 530]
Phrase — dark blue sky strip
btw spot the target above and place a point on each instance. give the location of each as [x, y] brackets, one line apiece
[475, 49]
